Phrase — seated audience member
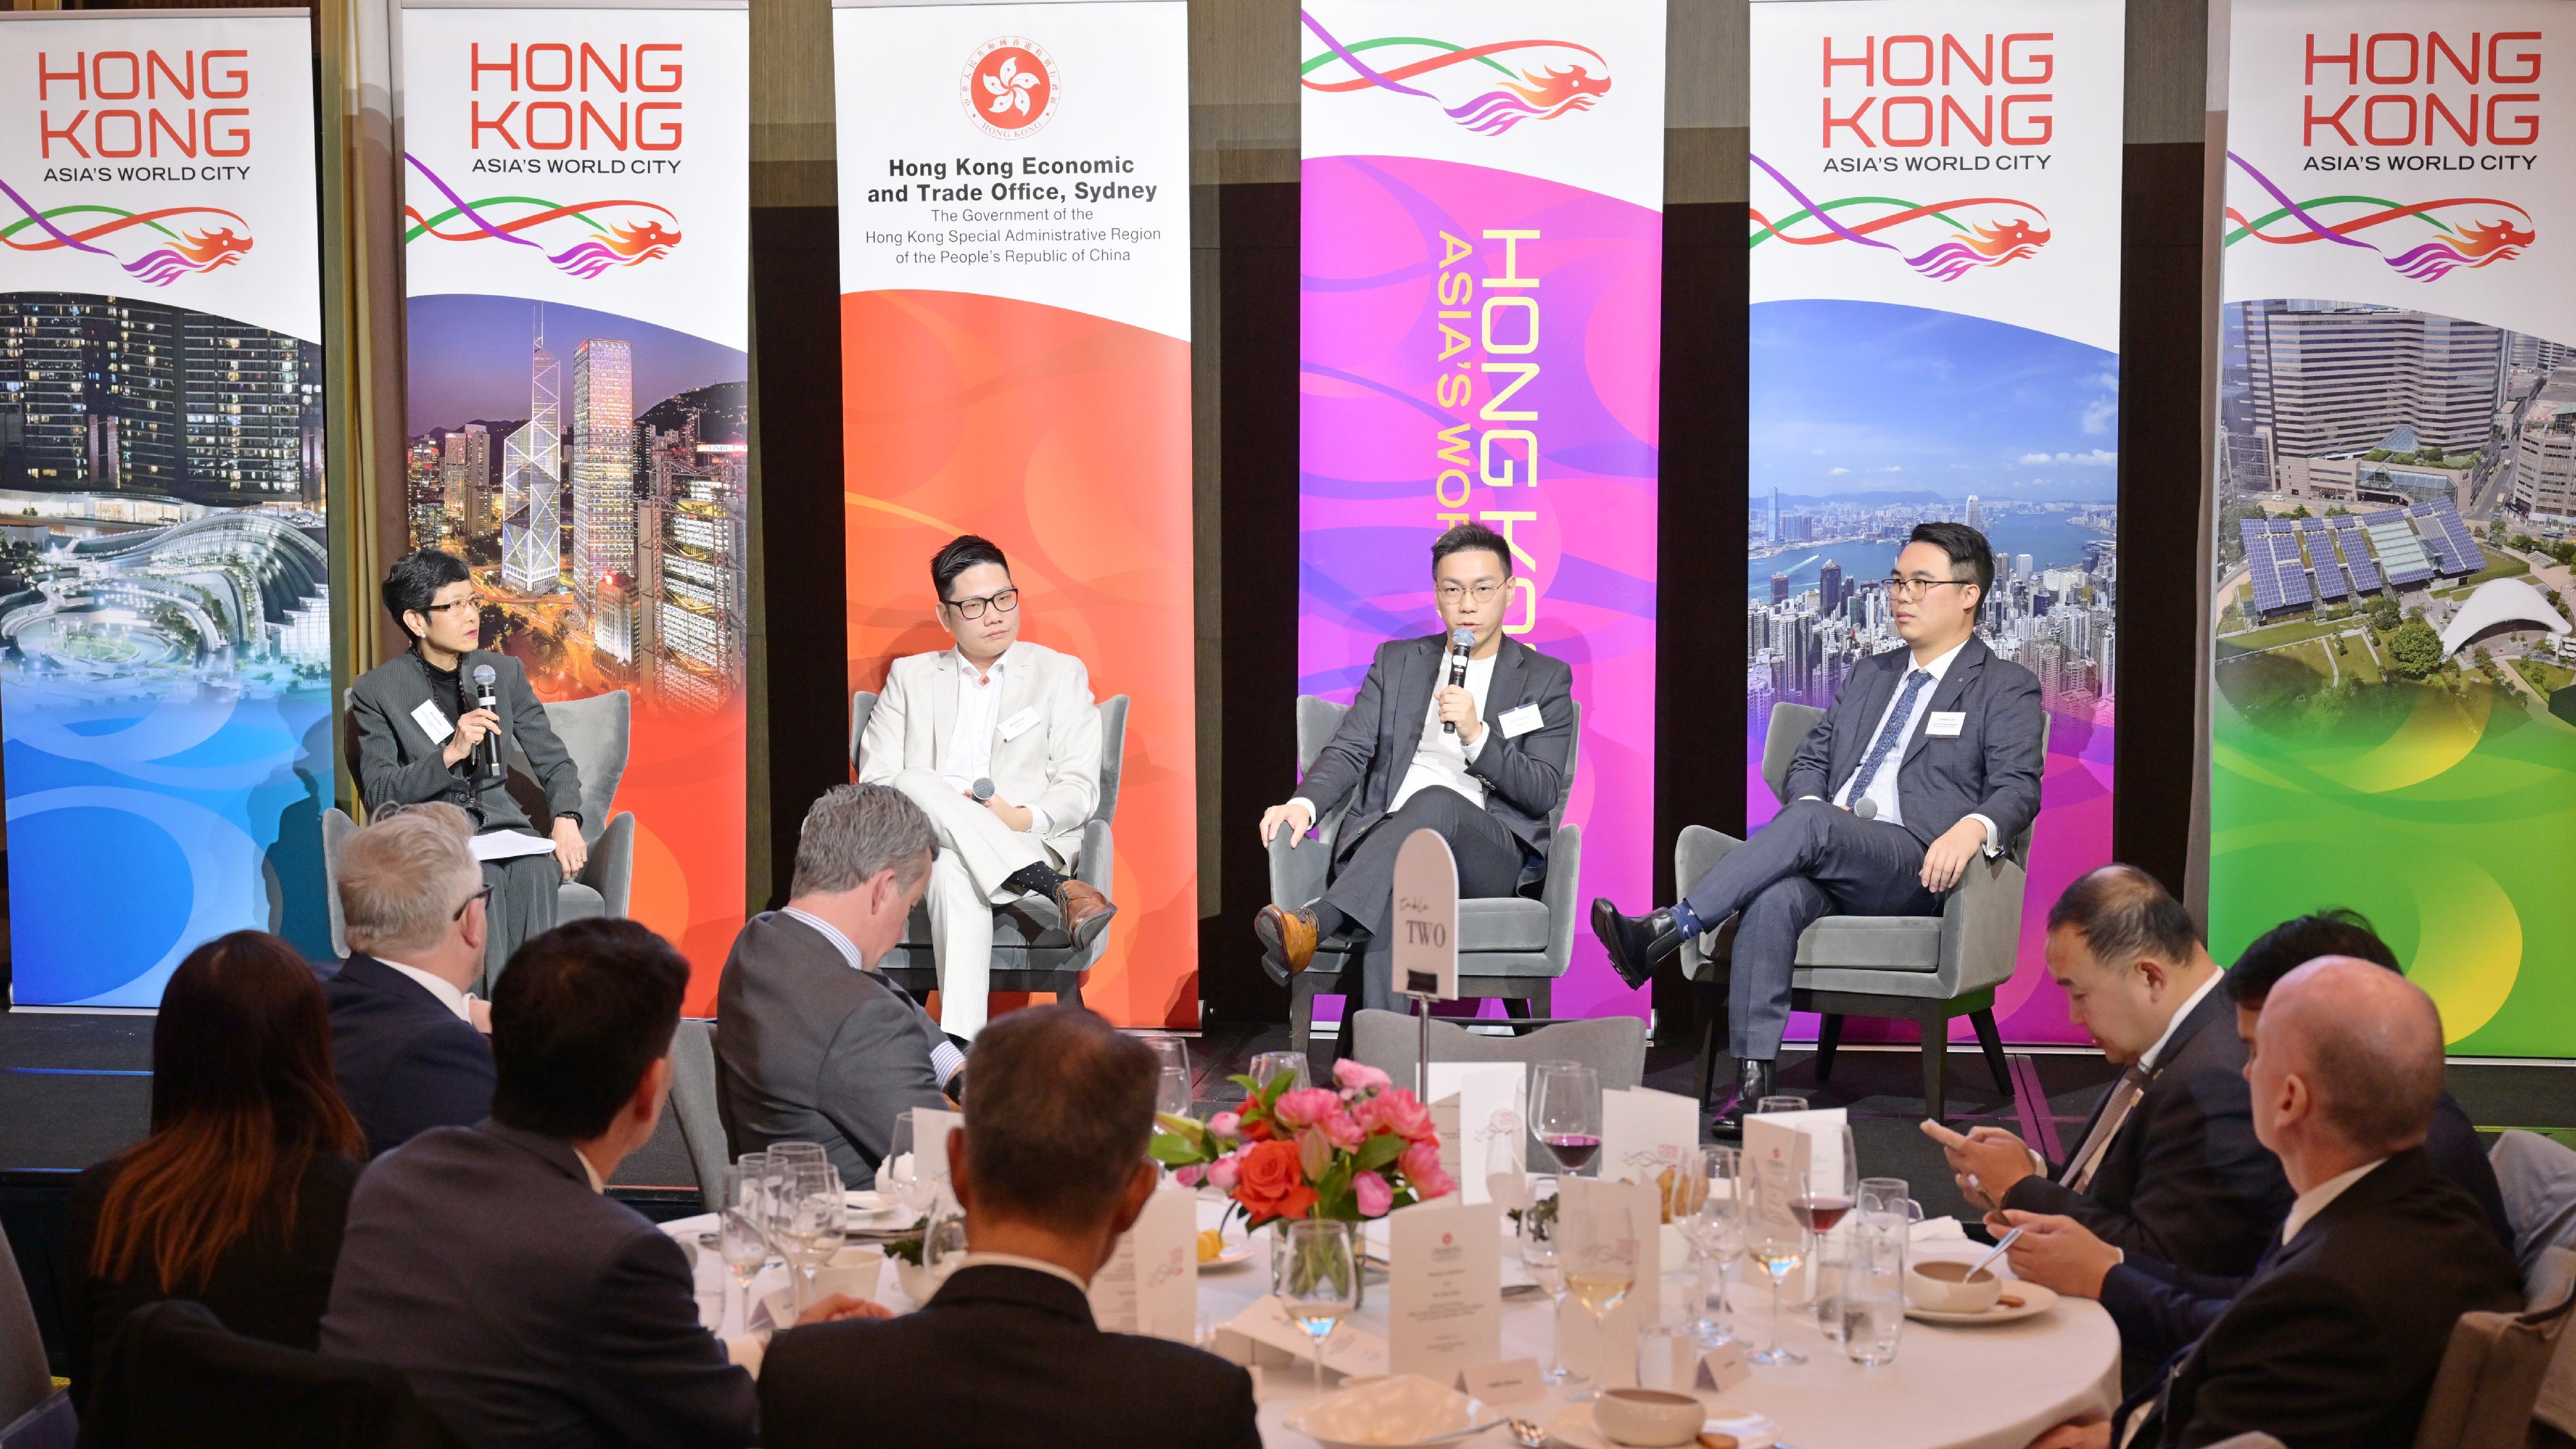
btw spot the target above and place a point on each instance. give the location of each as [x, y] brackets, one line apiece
[2168, 1166]
[2334, 1342]
[525, 1306]
[236, 1197]
[2159, 1307]
[405, 1039]
[1050, 1169]
[813, 1044]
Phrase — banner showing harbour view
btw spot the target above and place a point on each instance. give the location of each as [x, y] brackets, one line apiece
[2394, 711]
[165, 610]
[576, 248]
[1935, 235]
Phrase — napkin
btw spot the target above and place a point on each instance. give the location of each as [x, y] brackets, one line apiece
[1403, 1409]
[1938, 1230]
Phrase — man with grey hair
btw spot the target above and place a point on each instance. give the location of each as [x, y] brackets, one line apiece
[406, 1038]
[813, 1044]
[2337, 1338]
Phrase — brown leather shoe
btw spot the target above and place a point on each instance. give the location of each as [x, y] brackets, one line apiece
[1085, 912]
[1287, 936]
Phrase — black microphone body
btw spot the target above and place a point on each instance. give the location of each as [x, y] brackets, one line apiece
[1459, 644]
[487, 750]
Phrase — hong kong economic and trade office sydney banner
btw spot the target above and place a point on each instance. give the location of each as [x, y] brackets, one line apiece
[576, 252]
[1479, 334]
[1935, 238]
[165, 615]
[2393, 727]
[1015, 363]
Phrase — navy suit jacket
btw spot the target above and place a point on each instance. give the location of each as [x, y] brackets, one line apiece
[1991, 767]
[405, 1062]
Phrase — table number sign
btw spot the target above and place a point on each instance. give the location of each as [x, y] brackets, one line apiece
[1150, 1284]
[1444, 1288]
[1426, 917]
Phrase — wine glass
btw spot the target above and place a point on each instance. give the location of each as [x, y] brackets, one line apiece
[1715, 1231]
[1773, 1237]
[745, 1237]
[943, 1239]
[1267, 1067]
[1315, 1271]
[1599, 1242]
[1820, 1204]
[812, 1224]
[902, 1175]
[1565, 1111]
[1171, 1053]
[1172, 1092]
[1537, 1232]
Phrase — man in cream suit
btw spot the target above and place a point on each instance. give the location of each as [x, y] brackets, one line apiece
[998, 740]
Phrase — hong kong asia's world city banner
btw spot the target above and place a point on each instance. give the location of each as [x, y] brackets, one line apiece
[1015, 363]
[575, 228]
[165, 616]
[1481, 316]
[2393, 724]
[1935, 237]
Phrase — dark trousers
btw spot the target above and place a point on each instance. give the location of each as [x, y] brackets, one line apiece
[1363, 888]
[522, 905]
[1813, 860]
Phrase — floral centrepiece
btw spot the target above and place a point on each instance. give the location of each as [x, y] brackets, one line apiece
[1354, 1151]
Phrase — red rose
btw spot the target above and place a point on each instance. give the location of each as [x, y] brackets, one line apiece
[1273, 1183]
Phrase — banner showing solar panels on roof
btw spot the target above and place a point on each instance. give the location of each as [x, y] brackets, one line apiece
[2393, 719]
[165, 614]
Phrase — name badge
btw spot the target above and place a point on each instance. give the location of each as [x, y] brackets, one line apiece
[1946, 723]
[1018, 724]
[432, 722]
[1520, 721]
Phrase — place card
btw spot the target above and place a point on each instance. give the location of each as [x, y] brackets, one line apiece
[1264, 1334]
[1722, 1368]
[1150, 1284]
[1788, 1149]
[1476, 1108]
[1444, 1288]
[1509, 1382]
[1645, 1133]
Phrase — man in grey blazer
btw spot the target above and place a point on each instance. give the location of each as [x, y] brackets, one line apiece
[1930, 755]
[812, 1044]
[417, 726]
[998, 741]
[1482, 762]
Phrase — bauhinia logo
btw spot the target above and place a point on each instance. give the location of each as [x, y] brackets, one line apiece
[155, 246]
[1009, 86]
[2425, 246]
[1954, 237]
[1538, 79]
[613, 233]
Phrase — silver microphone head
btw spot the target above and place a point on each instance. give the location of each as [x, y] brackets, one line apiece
[1867, 809]
[483, 674]
[983, 789]
[1463, 642]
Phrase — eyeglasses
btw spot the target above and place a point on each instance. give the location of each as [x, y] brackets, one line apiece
[484, 894]
[452, 605]
[1482, 593]
[1917, 588]
[1006, 601]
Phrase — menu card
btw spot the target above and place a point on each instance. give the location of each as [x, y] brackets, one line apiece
[1476, 1108]
[1263, 1334]
[1580, 1338]
[1789, 1149]
[1645, 1133]
[1151, 1282]
[1444, 1288]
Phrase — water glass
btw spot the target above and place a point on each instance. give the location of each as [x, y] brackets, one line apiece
[1873, 1288]
[1714, 1228]
[1267, 1067]
[1537, 1233]
[799, 1154]
[744, 1239]
[1172, 1092]
[1773, 1238]
[1315, 1271]
[1565, 1112]
[902, 1175]
[1601, 1241]
[1171, 1053]
[811, 1230]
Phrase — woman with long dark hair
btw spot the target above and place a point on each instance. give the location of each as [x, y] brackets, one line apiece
[237, 1197]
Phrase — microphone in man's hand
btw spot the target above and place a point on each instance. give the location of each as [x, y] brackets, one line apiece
[1459, 643]
[983, 791]
[1866, 809]
[487, 750]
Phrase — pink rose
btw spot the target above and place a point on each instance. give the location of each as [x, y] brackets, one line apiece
[1343, 1131]
[1421, 1163]
[1188, 1176]
[1305, 1107]
[1226, 1124]
[1374, 1195]
[1398, 1112]
[1224, 1173]
[1360, 1078]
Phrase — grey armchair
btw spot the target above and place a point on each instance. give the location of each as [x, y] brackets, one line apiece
[1031, 951]
[1926, 969]
[697, 1109]
[595, 732]
[1512, 947]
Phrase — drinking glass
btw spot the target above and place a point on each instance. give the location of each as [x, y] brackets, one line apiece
[1773, 1238]
[1883, 1195]
[1315, 1271]
[745, 1236]
[773, 1198]
[1873, 1296]
[1565, 1112]
[943, 1239]
[1715, 1231]
[1268, 1066]
[902, 1175]
[1599, 1241]
[799, 1154]
[1171, 1052]
[812, 1225]
[1539, 1256]
[1820, 1205]
[1172, 1092]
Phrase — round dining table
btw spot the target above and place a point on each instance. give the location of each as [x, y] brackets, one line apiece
[1992, 1386]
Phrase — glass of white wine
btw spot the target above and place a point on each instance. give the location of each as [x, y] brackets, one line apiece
[1546, 1268]
[1315, 1271]
[811, 1226]
[1600, 1240]
[1773, 1238]
[745, 1241]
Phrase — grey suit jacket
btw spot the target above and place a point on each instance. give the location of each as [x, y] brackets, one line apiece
[1374, 746]
[399, 764]
[525, 1308]
[810, 1049]
[1990, 768]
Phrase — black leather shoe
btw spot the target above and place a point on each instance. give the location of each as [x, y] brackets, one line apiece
[1752, 1084]
[1637, 944]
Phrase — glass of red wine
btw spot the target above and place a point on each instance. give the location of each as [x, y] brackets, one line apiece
[1820, 1204]
[1565, 1113]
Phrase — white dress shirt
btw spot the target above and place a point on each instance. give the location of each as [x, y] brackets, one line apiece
[945, 1058]
[447, 992]
[2191, 1003]
[1438, 758]
[2315, 1200]
[1882, 788]
[979, 715]
[1034, 1265]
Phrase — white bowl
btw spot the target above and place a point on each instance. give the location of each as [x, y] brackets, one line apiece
[1940, 1285]
[855, 1271]
[1393, 1412]
[1647, 1418]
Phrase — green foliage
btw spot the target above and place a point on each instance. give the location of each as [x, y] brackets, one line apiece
[2383, 613]
[2415, 651]
[2299, 512]
[2430, 452]
[2338, 511]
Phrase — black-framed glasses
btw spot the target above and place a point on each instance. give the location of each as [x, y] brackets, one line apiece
[1482, 593]
[484, 894]
[1006, 601]
[1917, 588]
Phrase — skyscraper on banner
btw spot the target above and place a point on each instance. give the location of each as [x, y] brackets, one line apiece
[532, 483]
[602, 454]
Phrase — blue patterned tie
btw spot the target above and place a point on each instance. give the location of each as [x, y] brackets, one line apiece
[1889, 734]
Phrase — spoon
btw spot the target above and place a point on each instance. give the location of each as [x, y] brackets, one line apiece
[2002, 1243]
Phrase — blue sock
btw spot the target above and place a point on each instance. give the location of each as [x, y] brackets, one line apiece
[1687, 919]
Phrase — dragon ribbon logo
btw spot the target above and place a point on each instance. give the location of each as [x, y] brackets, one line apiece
[2482, 234]
[1538, 79]
[173, 249]
[619, 233]
[1981, 231]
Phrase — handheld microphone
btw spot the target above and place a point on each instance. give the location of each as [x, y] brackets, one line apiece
[1866, 808]
[487, 750]
[983, 790]
[1459, 644]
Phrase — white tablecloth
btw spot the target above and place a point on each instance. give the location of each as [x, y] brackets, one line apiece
[1996, 1387]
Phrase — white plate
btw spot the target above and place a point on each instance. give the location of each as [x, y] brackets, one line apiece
[1573, 1428]
[2034, 1300]
[1409, 1394]
[1237, 1246]
[864, 1204]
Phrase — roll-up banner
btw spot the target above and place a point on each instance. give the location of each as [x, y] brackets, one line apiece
[1935, 237]
[2394, 727]
[165, 611]
[576, 255]
[1481, 309]
[1015, 363]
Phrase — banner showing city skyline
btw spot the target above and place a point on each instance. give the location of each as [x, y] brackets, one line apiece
[165, 608]
[1015, 363]
[576, 248]
[2393, 722]
[1935, 237]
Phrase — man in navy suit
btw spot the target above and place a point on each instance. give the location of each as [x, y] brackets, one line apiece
[405, 1037]
[1929, 756]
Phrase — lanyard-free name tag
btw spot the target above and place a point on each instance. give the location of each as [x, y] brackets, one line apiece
[1946, 723]
[432, 723]
[1018, 724]
[1520, 721]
